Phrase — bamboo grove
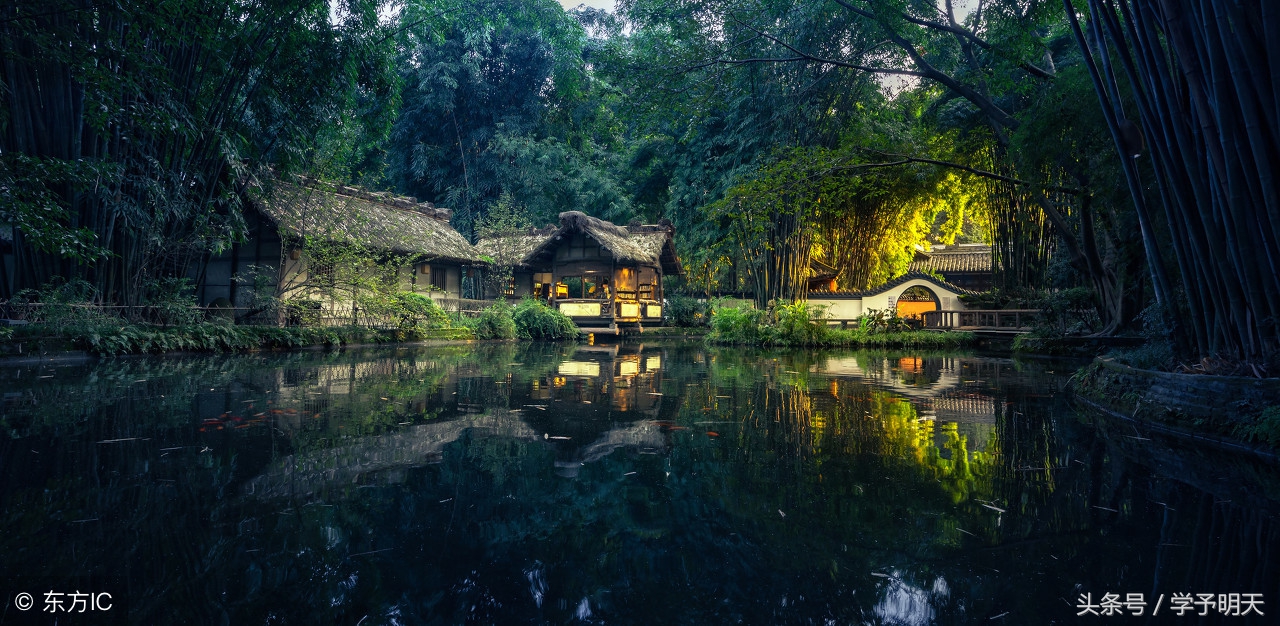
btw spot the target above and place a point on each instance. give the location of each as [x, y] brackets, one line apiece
[1200, 78]
[130, 129]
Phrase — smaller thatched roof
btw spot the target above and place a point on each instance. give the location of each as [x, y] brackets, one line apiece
[967, 257]
[642, 244]
[382, 221]
[511, 250]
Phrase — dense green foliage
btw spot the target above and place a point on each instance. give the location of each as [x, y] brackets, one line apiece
[528, 319]
[771, 133]
[495, 322]
[686, 311]
[800, 324]
[496, 98]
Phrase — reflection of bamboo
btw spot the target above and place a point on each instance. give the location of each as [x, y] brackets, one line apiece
[788, 411]
[1232, 549]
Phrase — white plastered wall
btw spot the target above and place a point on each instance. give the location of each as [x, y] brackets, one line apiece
[851, 307]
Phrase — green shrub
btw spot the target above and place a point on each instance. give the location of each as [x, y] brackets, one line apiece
[405, 310]
[686, 311]
[62, 305]
[495, 322]
[886, 321]
[173, 301]
[740, 325]
[417, 310]
[218, 336]
[535, 320]
[800, 324]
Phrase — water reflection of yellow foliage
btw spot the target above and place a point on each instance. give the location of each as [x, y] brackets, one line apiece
[878, 422]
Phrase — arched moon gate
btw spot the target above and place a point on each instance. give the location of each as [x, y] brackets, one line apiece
[849, 305]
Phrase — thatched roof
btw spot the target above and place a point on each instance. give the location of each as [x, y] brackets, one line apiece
[642, 244]
[382, 221]
[513, 249]
[951, 259]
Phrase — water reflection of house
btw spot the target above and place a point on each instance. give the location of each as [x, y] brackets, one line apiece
[304, 474]
[592, 403]
[608, 278]
[623, 381]
[965, 408]
[969, 393]
[599, 399]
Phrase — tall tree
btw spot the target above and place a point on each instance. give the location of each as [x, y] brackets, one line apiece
[497, 99]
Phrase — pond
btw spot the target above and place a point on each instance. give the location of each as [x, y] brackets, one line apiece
[662, 483]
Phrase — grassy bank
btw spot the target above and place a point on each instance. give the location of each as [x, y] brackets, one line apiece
[798, 325]
[211, 336]
[64, 317]
[676, 331]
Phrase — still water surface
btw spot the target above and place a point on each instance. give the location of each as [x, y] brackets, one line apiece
[633, 484]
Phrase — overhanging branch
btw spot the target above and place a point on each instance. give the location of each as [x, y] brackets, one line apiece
[907, 159]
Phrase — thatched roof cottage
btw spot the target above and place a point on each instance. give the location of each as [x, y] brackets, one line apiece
[290, 218]
[607, 277]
